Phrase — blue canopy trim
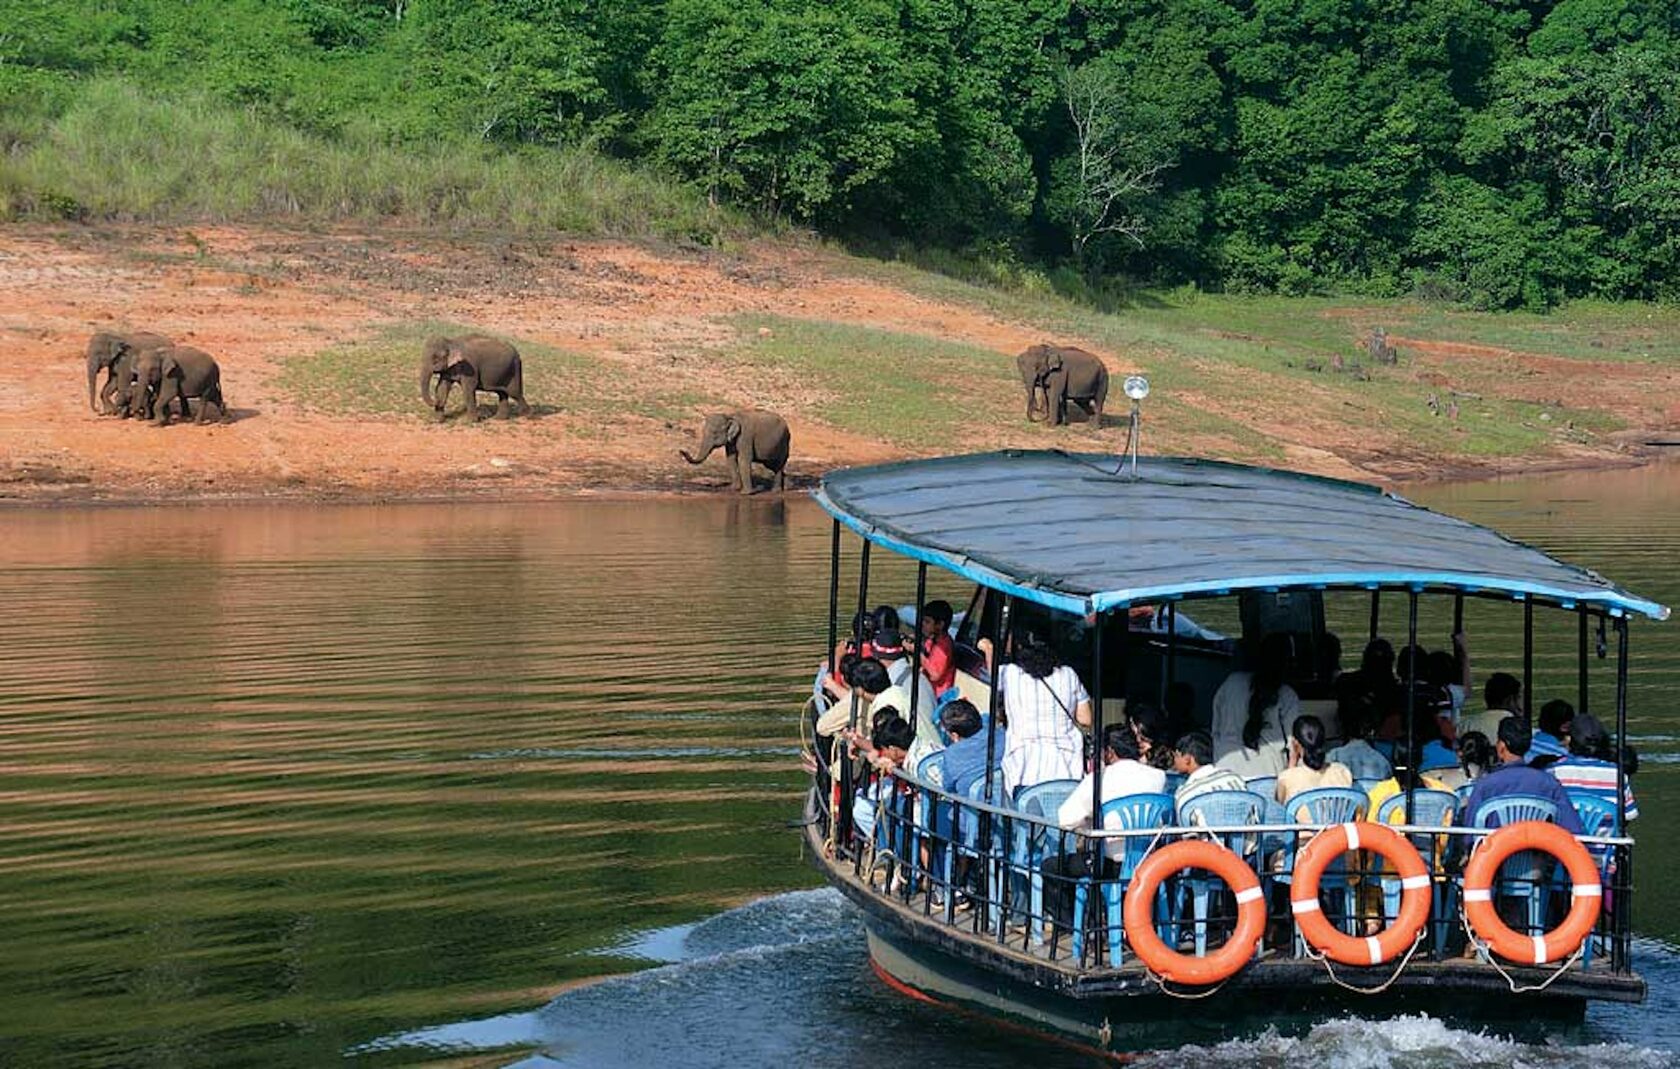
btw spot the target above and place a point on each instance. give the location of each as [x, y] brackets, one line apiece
[1077, 533]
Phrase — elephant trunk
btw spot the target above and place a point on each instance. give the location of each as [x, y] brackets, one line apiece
[426, 374]
[704, 453]
[93, 375]
[1034, 410]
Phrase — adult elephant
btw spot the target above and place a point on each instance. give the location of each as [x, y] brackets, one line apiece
[114, 353]
[750, 436]
[1053, 375]
[176, 373]
[475, 362]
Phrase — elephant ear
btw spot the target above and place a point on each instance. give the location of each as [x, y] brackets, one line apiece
[168, 366]
[731, 430]
[1053, 359]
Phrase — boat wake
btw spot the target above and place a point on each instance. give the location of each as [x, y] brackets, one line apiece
[786, 979]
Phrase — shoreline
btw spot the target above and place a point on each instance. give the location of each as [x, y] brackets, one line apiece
[86, 496]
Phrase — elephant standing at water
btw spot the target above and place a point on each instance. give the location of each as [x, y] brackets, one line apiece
[178, 372]
[1059, 374]
[477, 362]
[747, 437]
[114, 353]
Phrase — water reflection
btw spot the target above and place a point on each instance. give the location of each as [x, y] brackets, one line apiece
[279, 781]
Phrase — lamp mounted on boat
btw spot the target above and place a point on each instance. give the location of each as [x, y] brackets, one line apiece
[1137, 388]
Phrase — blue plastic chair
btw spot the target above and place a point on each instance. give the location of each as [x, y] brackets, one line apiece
[1031, 841]
[1264, 786]
[933, 821]
[1598, 817]
[968, 839]
[1525, 868]
[1463, 794]
[1215, 809]
[1319, 808]
[1429, 809]
[1130, 812]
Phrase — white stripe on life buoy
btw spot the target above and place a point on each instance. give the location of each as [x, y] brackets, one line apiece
[1411, 883]
[1375, 948]
[1303, 905]
[1478, 894]
[1352, 831]
[1540, 954]
[1249, 895]
[1588, 890]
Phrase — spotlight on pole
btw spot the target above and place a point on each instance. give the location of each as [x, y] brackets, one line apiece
[1137, 388]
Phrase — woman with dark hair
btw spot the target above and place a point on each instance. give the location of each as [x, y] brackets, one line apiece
[1046, 709]
[1475, 756]
[1253, 711]
[1309, 768]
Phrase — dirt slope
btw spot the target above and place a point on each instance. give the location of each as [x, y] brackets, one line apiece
[254, 297]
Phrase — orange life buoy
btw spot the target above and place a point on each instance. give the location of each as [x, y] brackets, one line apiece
[1139, 912]
[1586, 892]
[1415, 894]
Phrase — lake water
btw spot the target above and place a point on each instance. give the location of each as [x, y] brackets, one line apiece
[386, 785]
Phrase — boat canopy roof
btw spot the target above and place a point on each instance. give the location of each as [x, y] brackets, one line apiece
[1079, 532]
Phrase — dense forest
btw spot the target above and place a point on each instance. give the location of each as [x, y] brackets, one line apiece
[1505, 153]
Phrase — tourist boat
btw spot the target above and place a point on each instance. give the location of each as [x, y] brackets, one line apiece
[1110, 560]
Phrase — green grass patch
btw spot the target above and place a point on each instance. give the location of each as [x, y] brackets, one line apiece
[380, 375]
[913, 391]
[115, 151]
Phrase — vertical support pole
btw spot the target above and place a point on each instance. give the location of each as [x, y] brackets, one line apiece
[1621, 719]
[916, 648]
[833, 596]
[1376, 612]
[994, 866]
[1411, 700]
[1581, 673]
[857, 621]
[1096, 845]
[1528, 658]
[1172, 647]
[1458, 613]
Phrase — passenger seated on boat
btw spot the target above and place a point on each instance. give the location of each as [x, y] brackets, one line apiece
[1429, 695]
[1551, 741]
[939, 653]
[1193, 756]
[1450, 670]
[875, 691]
[1513, 776]
[1371, 686]
[885, 752]
[1309, 768]
[1503, 696]
[1046, 709]
[1588, 768]
[1362, 760]
[1406, 775]
[1253, 710]
[890, 651]
[1123, 774]
[1150, 726]
[964, 760]
[1475, 756]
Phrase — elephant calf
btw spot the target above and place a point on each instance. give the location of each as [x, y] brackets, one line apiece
[747, 437]
[115, 353]
[477, 362]
[175, 373]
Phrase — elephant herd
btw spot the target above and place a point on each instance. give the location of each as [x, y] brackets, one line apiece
[146, 373]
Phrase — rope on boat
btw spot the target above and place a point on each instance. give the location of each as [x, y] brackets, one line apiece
[1161, 982]
[1330, 969]
[1484, 951]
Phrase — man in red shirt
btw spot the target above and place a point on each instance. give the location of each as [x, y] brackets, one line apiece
[939, 653]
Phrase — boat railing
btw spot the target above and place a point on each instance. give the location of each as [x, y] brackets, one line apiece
[1021, 882]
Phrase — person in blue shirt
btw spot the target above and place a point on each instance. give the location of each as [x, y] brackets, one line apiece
[965, 758]
[1552, 740]
[1512, 776]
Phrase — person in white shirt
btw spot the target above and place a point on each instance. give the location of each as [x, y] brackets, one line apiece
[1254, 712]
[1122, 774]
[889, 650]
[1046, 710]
